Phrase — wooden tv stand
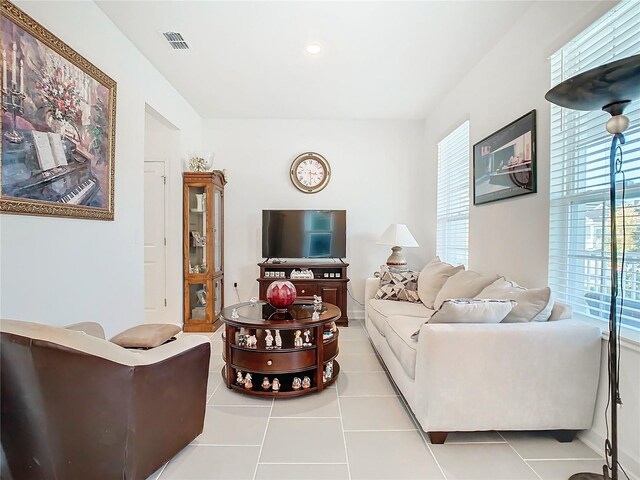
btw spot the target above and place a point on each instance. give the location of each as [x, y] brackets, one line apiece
[330, 282]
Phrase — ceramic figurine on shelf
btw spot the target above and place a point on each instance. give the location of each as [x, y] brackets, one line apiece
[241, 339]
[248, 384]
[266, 385]
[317, 302]
[268, 339]
[276, 385]
[307, 338]
[239, 379]
[324, 377]
[329, 369]
[315, 316]
[334, 327]
[297, 341]
[278, 339]
[252, 341]
[327, 334]
[234, 314]
[306, 383]
[253, 300]
[297, 383]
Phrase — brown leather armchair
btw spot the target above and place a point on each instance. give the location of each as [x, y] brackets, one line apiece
[76, 406]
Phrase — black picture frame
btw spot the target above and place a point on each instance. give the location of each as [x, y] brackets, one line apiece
[507, 159]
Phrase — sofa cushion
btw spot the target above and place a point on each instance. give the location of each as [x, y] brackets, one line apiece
[398, 333]
[398, 284]
[464, 284]
[149, 335]
[561, 311]
[380, 310]
[432, 277]
[533, 304]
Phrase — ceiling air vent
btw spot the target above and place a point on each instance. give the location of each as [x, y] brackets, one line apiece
[176, 40]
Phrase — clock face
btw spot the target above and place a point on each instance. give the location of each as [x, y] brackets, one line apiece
[310, 172]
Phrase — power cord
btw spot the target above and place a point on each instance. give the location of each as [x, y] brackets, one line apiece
[235, 287]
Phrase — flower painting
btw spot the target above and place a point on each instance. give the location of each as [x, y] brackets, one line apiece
[58, 125]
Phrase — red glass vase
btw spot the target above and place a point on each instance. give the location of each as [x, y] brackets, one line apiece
[281, 294]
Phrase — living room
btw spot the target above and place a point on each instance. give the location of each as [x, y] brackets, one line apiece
[377, 103]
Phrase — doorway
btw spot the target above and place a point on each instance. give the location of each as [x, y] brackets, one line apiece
[155, 242]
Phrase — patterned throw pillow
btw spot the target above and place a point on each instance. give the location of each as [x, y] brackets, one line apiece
[398, 284]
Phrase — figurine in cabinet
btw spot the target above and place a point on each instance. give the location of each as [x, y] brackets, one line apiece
[317, 302]
[276, 385]
[297, 341]
[306, 382]
[307, 338]
[252, 341]
[239, 379]
[315, 315]
[278, 339]
[324, 377]
[297, 383]
[334, 327]
[248, 384]
[268, 339]
[329, 369]
[266, 385]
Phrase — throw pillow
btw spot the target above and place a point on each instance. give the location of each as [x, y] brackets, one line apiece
[149, 335]
[470, 310]
[464, 284]
[533, 305]
[432, 277]
[398, 284]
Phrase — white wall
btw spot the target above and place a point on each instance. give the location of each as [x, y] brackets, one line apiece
[373, 178]
[511, 236]
[60, 271]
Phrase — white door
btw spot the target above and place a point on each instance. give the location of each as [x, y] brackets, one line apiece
[155, 281]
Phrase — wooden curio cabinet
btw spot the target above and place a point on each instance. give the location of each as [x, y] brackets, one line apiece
[203, 250]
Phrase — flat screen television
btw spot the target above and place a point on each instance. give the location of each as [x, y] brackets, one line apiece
[304, 234]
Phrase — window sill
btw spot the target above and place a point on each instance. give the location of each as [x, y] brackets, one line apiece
[629, 337]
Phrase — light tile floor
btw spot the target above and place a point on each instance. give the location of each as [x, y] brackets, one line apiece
[357, 429]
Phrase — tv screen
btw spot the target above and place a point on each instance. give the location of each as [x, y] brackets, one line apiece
[304, 234]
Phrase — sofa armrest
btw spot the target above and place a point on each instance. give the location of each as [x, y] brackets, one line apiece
[531, 374]
[90, 328]
[159, 354]
[370, 288]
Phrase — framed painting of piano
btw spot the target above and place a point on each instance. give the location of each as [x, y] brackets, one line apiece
[58, 125]
[504, 163]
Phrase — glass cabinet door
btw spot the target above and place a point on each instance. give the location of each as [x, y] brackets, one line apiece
[199, 297]
[217, 285]
[217, 230]
[197, 229]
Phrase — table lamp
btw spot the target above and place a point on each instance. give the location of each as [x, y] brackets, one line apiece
[611, 87]
[398, 236]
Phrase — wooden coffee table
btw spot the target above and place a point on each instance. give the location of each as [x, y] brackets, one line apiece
[286, 362]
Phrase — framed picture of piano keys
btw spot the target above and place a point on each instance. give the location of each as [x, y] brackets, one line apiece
[504, 163]
[58, 125]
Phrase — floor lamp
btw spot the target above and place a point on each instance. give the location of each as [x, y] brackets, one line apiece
[611, 87]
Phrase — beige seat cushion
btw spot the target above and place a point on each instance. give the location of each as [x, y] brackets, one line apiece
[432, 277]
[149, 335]
[380, 310]
[464, 284]
[398, 333]
[532, 305]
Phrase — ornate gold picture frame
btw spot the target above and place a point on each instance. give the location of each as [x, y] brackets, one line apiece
[58, 125]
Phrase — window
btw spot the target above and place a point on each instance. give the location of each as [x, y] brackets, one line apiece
[579, 233]
[452, 242]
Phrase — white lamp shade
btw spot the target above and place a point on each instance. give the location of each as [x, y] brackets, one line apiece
[398, 235]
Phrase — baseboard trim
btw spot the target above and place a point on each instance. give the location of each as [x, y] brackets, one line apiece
[596, 442]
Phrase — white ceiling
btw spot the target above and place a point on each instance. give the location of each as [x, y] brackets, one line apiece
[380, 60]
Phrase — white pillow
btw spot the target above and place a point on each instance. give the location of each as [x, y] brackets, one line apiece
[432, 277]
[464, 284]
[470, 310]
[533, 305]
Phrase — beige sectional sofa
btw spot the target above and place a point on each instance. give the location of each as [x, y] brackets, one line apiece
[539, 375]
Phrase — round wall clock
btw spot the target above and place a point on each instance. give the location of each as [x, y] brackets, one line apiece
[310, 172]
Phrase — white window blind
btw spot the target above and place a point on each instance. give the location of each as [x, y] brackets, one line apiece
[579, 233]
[452, 231]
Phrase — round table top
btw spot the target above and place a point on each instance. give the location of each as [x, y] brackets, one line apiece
[263, 315]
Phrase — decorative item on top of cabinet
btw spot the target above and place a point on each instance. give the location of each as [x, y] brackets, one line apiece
[203, 249]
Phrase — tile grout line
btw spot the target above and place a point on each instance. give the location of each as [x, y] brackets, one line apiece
[408, 410]
[516, 452]
[344, 437]
[562, 459]
[266, 428]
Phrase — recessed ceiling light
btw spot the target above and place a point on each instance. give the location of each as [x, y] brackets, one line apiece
[313, 49]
